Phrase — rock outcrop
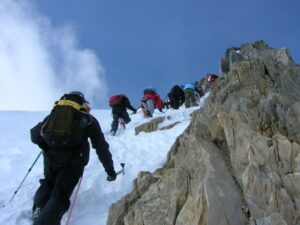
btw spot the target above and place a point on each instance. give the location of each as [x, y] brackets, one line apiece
[149, 126]
[238, 162]
[154, 125]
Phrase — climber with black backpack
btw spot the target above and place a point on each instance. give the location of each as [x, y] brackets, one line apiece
[63, 137]
[176, 96]
[119, 105]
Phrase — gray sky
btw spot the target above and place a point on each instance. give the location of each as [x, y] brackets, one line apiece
[122, 46]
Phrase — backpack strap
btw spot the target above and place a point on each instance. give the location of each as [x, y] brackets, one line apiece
[73, 104]
[42, 128]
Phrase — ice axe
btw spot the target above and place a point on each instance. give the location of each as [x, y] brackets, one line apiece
[122, 171]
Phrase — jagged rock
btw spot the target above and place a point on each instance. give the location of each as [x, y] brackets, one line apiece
[170, 126]
[153, 125]
[238, 162]
[122, 207]
[274, 219]
[149, 126]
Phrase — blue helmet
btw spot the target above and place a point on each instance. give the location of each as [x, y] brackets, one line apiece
[189, 86]
[151, 88]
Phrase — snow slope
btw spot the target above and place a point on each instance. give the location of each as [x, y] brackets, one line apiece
[143, 152]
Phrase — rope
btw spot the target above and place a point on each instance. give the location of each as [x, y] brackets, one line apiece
[73, 203]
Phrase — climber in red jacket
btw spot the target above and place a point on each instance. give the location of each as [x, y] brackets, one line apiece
[150, 101]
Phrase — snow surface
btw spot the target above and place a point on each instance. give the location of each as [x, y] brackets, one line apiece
[143, 152]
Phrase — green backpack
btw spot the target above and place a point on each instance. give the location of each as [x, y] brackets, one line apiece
[66, 125]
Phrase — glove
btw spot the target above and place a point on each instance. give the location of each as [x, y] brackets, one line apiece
[111, 177]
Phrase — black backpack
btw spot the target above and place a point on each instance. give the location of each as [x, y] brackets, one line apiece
[66, 125]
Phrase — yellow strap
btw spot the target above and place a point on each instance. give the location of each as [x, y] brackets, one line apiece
[73, 104]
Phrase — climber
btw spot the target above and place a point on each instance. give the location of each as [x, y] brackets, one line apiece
[150, 101]
[211, 78]
[119, 104]
[190, 99]
[64, 136]
[176, 96]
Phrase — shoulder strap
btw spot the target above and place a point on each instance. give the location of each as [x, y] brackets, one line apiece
[75, 105]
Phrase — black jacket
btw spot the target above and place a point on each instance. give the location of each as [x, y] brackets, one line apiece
[122, 106]
[80, 154]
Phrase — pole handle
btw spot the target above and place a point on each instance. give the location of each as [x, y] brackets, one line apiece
[122, 171]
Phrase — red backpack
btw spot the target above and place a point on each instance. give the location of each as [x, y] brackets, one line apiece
[115, 100]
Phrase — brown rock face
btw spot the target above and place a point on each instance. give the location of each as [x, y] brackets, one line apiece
[238, 162]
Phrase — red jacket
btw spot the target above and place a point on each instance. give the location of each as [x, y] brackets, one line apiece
[155, 98]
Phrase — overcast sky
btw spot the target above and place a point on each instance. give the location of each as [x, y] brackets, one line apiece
[105, 47]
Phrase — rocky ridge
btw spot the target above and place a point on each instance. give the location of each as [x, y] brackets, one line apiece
[238, 162]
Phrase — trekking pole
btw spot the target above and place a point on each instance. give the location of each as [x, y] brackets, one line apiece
[122, 170]
[16, 191]
[74, 200]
